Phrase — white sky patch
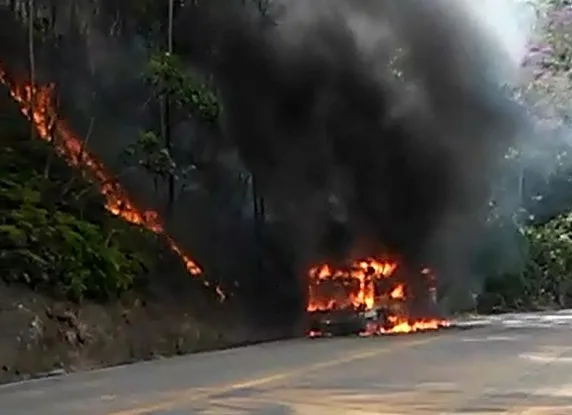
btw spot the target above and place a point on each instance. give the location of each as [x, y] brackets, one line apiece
[511, 24]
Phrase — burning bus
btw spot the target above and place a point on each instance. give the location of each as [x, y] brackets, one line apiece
[368, 297]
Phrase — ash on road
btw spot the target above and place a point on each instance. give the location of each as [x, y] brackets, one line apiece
[517, 364]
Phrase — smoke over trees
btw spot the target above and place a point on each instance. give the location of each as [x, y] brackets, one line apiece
[316, 111]
[273, 134]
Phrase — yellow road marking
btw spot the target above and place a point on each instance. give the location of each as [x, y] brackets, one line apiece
[185, 397]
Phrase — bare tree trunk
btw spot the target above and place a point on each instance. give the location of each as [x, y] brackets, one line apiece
[32, 62]
[170, 29]
[50, 156]
[167, 114]
[258, 223]
[52, 136]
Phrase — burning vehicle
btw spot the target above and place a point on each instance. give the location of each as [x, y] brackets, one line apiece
[368, 297]
[346, 98]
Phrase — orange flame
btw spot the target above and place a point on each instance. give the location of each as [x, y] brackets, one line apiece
[398, 292]
[357, 283]
[364, 286]
[402, 325]
[72, 149]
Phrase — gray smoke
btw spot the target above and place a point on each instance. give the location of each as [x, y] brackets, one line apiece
[391, 109]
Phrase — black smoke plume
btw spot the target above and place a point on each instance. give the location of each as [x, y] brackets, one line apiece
[406, 156]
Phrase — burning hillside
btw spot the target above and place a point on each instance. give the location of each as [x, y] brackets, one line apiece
[371, 296]
[37, 105]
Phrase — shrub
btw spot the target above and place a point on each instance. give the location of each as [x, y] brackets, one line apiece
[167, 75]
[55, 235]
[545, 279]
[59, 251]
[548, 272]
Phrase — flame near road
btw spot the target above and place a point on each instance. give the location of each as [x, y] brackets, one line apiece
[72, 149]
[363, 286]
[359, 282]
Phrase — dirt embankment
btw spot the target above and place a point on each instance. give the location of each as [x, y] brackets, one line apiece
[40, 336]
[165, 312]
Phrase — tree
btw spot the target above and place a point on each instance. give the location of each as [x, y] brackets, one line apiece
[189, 96]
[149, 153]
[259, 220]
[545, 278]
[167, 112]
[32, 62]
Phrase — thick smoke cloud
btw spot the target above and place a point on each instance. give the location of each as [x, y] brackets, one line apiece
[317, 113]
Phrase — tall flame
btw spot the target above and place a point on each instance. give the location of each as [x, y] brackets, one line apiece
[365, 285]
[363, 273]
[36, 103]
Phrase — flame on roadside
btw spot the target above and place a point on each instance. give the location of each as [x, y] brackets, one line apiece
[367, 285]
[358, 283]
[36, 103]
[403, 325]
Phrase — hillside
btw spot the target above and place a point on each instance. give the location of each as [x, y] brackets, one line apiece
[205, 134]
[82, 288]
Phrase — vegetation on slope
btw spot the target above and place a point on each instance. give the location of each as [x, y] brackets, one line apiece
[55, 233]
[57, 236]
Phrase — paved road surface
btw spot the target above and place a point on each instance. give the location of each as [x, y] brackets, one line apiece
[520, 364]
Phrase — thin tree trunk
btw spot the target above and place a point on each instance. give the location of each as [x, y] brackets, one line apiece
[167, 113]
[32, 62]
[170, 29]
[52, 136]
[257, 225]
[163, 125]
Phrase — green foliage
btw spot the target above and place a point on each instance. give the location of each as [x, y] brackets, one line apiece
[186, 88]
[545, 279]
[59, 251]
[549, 269]
[54, 236]
[150, 153]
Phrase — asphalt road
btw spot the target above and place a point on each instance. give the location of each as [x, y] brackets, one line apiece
[517, 364]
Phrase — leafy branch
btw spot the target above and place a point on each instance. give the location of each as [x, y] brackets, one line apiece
[186, 88]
